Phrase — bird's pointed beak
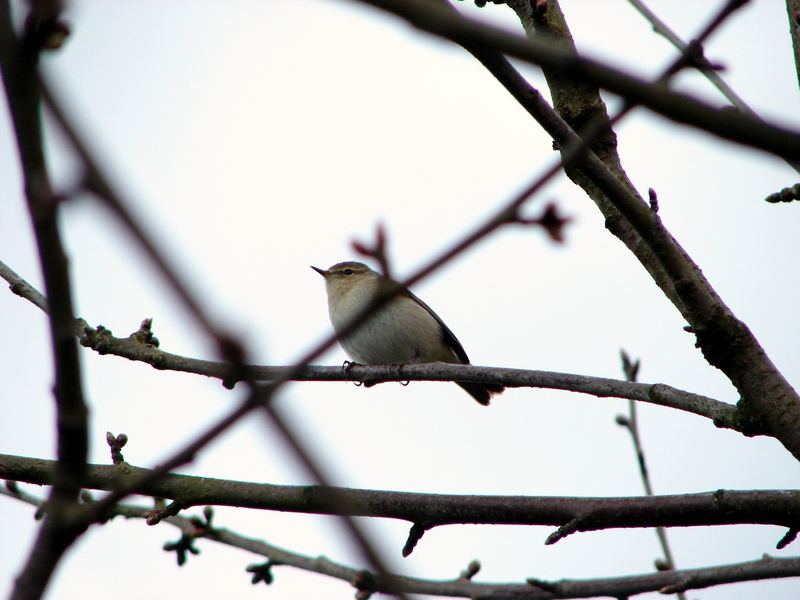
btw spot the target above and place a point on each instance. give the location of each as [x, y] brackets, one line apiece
[322, 272]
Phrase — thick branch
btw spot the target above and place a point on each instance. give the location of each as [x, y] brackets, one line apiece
[781, 507]
[767, 399]
[537, 589]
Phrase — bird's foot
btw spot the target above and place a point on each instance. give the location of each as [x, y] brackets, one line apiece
[347, 366]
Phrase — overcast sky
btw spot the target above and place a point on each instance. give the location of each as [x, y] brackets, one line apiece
[256, 138]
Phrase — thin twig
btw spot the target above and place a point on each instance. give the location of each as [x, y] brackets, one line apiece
[710, 73]
[631, 423]
[703, 67]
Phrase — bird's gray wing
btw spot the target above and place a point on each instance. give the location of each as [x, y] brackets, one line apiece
[448, 337]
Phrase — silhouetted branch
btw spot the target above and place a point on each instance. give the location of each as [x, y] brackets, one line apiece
[464, 586]
[777, 507]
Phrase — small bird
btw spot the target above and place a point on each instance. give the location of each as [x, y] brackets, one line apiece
[403, 330]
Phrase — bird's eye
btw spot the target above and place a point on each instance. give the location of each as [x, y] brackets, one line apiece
[348, 271]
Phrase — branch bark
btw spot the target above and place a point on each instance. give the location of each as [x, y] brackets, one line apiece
[464, 586]
[793, 10]
[571, 515]
[767, 399]
[142, 346]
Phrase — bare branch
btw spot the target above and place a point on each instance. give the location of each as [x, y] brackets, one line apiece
[722, 507]
[704, 67]
[140, 347]
[464, 586]
[631, 423]
[22, 288]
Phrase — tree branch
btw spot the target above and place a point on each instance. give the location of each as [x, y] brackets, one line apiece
[723, 507]
[193, 528]
[19, 62]
[141, 346]
[631, 423]
[702, 65]
[682, 108]
[767, 399]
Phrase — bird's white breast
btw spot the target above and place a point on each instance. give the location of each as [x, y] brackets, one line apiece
[401, 331]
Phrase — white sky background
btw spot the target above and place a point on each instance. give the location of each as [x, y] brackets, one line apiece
[256, 138]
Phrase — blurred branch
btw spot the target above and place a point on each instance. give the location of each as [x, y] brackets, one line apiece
[682, 108]
[571, 515]
[193, 528]
[141, 346]
[701, 63]
[18, 62]
[95, 181]
[229, 348]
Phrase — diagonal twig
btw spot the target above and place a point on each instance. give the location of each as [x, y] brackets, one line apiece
[702, 65]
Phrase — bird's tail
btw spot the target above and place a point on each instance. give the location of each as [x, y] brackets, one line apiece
[482, 392]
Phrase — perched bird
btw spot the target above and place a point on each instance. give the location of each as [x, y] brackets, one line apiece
[403, 330]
